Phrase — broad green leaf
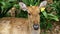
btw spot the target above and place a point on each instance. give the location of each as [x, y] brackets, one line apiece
[44, 13]
[51, 16]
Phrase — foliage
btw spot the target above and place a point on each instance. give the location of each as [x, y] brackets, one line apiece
[50, 15]
[31, 2]
[6, 5]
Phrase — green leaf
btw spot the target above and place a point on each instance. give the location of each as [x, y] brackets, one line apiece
[44, 13]
[27, 2]
[17, 6]
[12, 0]
[49, 25]
[51, 16]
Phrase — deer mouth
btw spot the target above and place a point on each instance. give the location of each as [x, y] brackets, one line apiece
[36, 26]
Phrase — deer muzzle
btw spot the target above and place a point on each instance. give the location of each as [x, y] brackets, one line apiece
[36, 26]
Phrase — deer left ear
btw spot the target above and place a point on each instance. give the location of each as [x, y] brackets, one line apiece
[43, 4]
[23, 6]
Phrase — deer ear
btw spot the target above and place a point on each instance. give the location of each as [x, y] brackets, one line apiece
[22, 6]
[43, 4]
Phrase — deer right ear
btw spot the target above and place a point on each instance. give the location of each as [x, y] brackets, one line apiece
[22, 6]
[43, 4]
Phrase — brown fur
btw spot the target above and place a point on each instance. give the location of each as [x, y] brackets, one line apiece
[21, 25]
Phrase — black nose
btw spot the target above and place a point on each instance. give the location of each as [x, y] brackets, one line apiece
[36, 26]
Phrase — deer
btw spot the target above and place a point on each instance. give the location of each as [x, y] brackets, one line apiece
[30, 25]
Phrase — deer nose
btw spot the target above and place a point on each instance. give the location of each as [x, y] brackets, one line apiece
[36, 26]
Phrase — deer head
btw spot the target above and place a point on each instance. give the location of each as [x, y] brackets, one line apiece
[33, 13]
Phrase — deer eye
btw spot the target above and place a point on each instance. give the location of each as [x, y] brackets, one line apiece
[29, 13]
[39, 13]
